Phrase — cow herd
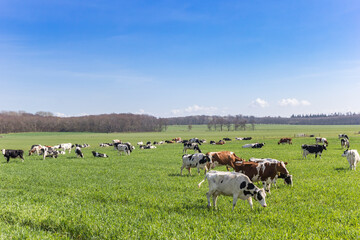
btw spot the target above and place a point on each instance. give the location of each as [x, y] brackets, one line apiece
[238, 184]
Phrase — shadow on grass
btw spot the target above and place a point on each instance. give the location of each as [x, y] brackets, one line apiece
[178, 175]
[341, 169]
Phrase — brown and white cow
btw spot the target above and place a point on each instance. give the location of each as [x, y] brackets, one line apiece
[220, 142]
[266, 172]
[225, 158]
[232, 184]
[321, 140]
[285, 140]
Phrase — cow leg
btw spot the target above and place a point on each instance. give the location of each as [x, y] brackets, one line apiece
[206, 169]
[189, 170]
[182, 167]
[235, 198]
[250, 202]
[22, 158]
[7, 159]
[208, 198]
[227, 168]
[198, 170]
[215, 196]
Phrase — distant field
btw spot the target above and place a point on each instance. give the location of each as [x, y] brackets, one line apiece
[142, 196]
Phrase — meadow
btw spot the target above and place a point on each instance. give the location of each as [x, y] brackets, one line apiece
[143, 196]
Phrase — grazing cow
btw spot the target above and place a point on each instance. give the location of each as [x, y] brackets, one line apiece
[345, 143]
[96, 154]
[195, 140]
[50, 153]
[197, 160]
[254, 145]
[124, 147]
[222, 158]
[232, 184]
[312, 149]
[35, 149]
[79, 152]
[65, 146]
[192, 146]
[343, 136]
[8, 153]
[227, 139]
[352, 157]
[266, 172]
[280, 165]
[322, 140]
[285, 140]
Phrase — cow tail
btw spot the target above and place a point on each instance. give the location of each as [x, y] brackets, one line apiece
[199, 185]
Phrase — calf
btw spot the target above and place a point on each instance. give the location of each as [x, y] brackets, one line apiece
[285, 140]
[192, 146]
[312, 149]
[266, 172]
[222, 158]
[197, 160]
[352, 157]
[232, 184]
[8, 153]
[345, 143]
[102, 155]
[78, 152]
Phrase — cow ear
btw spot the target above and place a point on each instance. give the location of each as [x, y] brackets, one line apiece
[285, 163]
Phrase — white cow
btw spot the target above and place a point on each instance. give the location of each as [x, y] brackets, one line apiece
[232, 184]
[197, 160]
[352, 157]
[125, 147]
[64, 146]
[140, 143]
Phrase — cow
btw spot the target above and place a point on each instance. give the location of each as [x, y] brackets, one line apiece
[35, 149]
[149, 146]
[8, 153]
[253, 145]
[212, 142]
[322, 140]
[65, 146]
[124, 147]
[280, 165]
[140, 143]
[227, 139]
[106, 144]
[266, 172]
[116, 141]
[345, 143]
[168, 141]
[222, 158]
[352, 157]
[247, 138]
[85, 145]
[195, 140]
[96, 154]
[78, 152]
[192, 146]
[177, 139]
[312, 149]
[50, 152]
[239, 138]
[285, 140]
[220, 142]
[197, 160]
[343, 136]
[232, 184]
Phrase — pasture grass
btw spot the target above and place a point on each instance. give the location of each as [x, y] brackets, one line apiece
[143, 196]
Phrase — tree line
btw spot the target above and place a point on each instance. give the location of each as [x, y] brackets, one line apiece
[12, 122]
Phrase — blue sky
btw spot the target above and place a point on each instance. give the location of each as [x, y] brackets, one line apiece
[178, 58]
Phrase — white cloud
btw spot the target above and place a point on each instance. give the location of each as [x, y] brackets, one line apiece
[57, 114]
[195, 109]
[293, 102]
[259, 103]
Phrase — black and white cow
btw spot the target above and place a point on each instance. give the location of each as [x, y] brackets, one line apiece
[345, 143]
[312, 149]
[191, 146]
[195, 140]
[105, 144]
[49, 152]
[343, 136]
[127, 148]
[253, 145]
[233, 184]
[96, 154]
[8, 153]
[197, 160]
[149, 146]
[78, 152]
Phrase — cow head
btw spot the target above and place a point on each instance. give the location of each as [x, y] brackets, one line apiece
[3, 151]
[324, 147]
[260, 196]
[345, 153]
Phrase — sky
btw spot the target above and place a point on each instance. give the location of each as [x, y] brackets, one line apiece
[180, 58]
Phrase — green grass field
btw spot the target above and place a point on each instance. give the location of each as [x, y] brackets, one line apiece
[143, 196]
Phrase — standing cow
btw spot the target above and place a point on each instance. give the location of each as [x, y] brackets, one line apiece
[352, 157]
[197, 160]
[312, 149]
[8, 153]
[232, 184]
[191, 146]
[225, 158]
